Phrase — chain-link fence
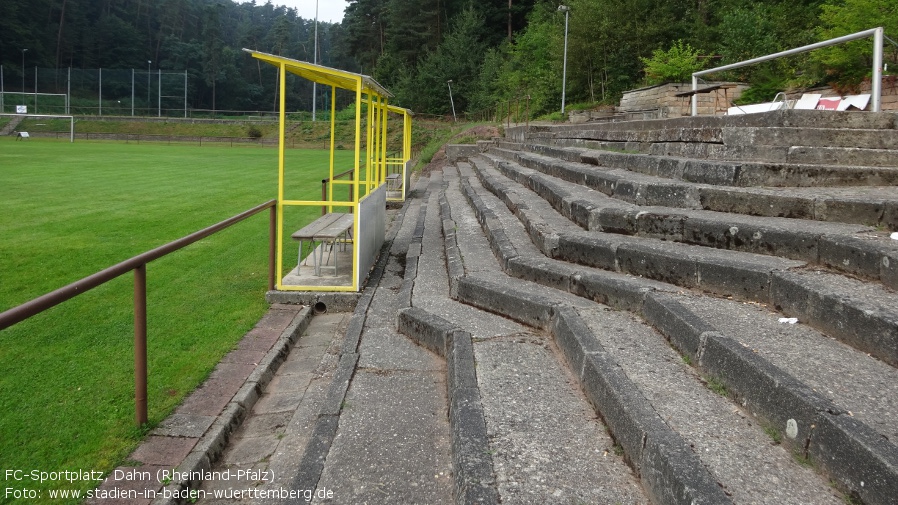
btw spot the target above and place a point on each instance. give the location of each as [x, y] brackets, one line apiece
[112, 92]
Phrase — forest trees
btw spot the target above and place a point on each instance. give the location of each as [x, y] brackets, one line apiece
[492, 50]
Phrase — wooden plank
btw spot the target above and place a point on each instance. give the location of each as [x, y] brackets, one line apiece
[309, 230]
[327, 227]
[335, 229]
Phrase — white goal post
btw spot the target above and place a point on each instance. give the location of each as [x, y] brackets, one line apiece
[48, 116]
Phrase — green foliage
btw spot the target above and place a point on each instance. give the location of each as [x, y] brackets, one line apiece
[775, 436]
[716, 385]
[457, 59]
[674, 65]
[849, 63]
[764, 88]
[745, 33]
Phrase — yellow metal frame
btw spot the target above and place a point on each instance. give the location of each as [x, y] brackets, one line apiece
[400, 164]
[376, 97]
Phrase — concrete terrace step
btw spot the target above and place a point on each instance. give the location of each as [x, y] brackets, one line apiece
[877, 206]
[807, 421]
[518, 424]
[728, 173]
[854, 309]
[795, 144]
[850, 248]
[776, 119]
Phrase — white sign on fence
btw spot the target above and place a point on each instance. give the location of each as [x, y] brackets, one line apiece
[21, 109]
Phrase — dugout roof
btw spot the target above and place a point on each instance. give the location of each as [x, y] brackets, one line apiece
[325, 75]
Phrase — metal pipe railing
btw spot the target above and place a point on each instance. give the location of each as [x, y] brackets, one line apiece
[324, 183]
[876, 88]
[138, 265]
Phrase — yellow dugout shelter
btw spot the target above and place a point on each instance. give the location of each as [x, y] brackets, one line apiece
[344, 242]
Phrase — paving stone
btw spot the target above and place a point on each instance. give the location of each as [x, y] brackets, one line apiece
[163, 451]
[184, 425]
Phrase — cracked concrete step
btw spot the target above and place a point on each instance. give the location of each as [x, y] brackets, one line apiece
[822, 154]
[766, 389]
[392, 444]
[860, 205]
[834, 303]
[843, 247]
[713, 125]
[734, 478]
[542, 439]
[728, 173]
[834, 145]
[263, 453]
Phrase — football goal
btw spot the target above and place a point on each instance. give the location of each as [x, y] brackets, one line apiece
[21, 123]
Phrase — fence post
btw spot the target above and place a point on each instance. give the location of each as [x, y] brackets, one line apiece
[527, 118]
[140, 344]
[272, 244]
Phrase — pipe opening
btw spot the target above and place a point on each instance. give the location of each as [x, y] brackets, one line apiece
[319, 308]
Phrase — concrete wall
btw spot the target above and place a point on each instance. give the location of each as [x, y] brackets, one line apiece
[370, 235]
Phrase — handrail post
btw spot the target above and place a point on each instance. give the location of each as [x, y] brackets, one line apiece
[140, 344]
[272, 245]
[324, 195]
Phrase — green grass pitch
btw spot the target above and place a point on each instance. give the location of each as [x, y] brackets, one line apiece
[70, 210]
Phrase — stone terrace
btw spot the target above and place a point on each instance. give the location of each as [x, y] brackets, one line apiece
[695, 310]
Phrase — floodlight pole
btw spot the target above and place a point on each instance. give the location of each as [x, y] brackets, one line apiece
[566, 10]
[149, 62]
[451, 101]
[315, 61]
[23, 75]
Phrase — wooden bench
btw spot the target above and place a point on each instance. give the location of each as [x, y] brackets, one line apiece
[394, 182]
[327, 228]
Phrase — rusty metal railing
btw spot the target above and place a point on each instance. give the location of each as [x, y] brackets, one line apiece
[324, 183]
[138, 265]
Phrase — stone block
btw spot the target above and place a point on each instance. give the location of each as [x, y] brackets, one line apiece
[852, 255]
[589, 249]
[505, 299]
[333, 402]
[673, 474]
[672, 195]
[722, 199]
[614, 220]
[748, 237]
[659, 224]
[738, 278]
[461, 371]
[764, 389]
[658, 262]
[856, 457]
[615, 290]
[714, 173]
[472, 461]
[868, 211]
[680, 325]
[626, 412]
[864, 326]
[549, 273]
[574, 338]
[428, 330]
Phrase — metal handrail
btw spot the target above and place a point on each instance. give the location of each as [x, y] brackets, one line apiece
[324, 183]
[138, 265]
[875, 84]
